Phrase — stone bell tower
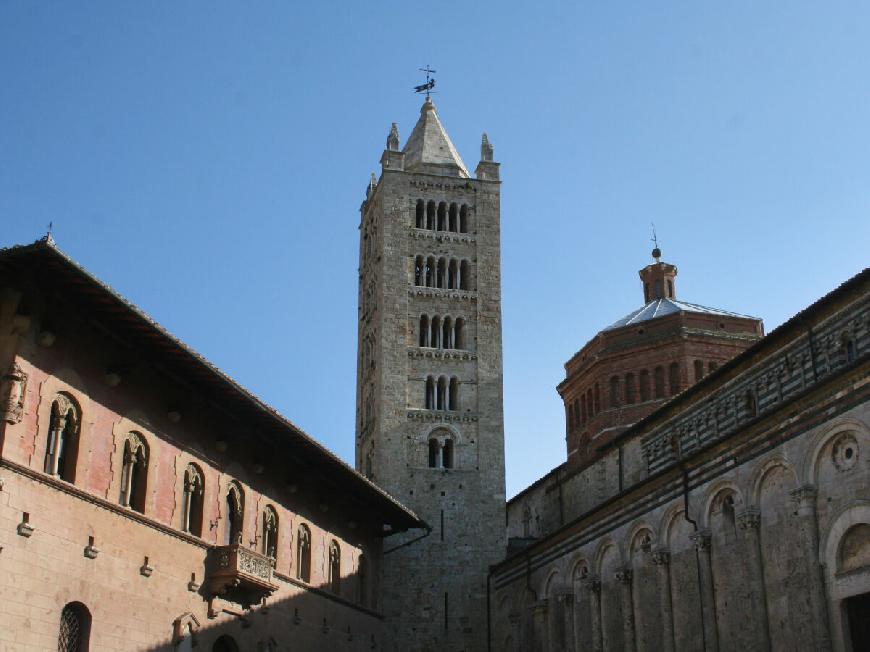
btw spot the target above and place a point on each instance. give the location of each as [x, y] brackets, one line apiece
[429, 382]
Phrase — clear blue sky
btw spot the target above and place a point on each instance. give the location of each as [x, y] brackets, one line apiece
[208, 159]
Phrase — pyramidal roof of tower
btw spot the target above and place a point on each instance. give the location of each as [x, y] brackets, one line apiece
[662, 307]
[429, 148]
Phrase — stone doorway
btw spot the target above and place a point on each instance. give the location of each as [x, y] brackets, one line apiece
[858, 614]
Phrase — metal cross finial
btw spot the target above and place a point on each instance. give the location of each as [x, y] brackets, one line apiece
[430, 82]
[654, 238]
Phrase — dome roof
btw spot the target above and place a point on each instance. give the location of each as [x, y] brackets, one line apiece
[663, 307]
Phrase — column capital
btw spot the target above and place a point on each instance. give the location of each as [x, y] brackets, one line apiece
[539, 608]
[623, 575]
[749, 518]
[661, 557]
[701, 539]
[805, 493]
[593, 584]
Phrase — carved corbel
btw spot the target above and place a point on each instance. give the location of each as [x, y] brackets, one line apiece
[12, 389]
[661, 557]
[701, 539]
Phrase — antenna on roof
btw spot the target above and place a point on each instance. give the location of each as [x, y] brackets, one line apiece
[430, 83]
[48, 237]
[656, 253]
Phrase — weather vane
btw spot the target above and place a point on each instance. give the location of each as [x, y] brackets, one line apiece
[657, 253]
[430, 82]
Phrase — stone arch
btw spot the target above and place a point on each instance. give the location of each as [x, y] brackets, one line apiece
[761, 472]
[425, 434]
[601, 551]
[715, 493]
[842, 585]
[637, 530]
[673, 511]
[550, 582]
[808, 469]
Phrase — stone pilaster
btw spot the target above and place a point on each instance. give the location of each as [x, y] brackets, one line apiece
[593, 584]
[701, 539]
[565, 598]
[540, 610]
[805, 497]
[626, 604]
[661, 559]
[749, 521]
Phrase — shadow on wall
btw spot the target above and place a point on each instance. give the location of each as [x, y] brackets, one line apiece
[315, 619]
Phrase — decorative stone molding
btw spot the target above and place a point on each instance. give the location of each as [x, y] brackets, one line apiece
[13, 385]
[444, 417]
[782, 376]
[438, 185]
[443, 293]
[442, 354]
[442, 236]
[749, 519]
[661, 557]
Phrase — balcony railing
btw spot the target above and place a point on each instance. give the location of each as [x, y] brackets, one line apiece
[240, 573]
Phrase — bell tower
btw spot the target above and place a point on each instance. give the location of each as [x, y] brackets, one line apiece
[429, 382]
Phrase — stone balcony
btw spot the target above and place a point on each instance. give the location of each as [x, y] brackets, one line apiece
[240, 573]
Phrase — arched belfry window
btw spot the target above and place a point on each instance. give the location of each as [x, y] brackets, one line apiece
[335, 567]
[235, 514]
[644, 386]
[303, 553]
[442, 216]
[75, 628]
[453, 219]
[419, 271]
[447, 454]
[269, 540]
[430, 215]
[464, 280]
[134, 474]
[191, 501]
[463, 219]
[420, 221]
[62, 444]
[441, 450]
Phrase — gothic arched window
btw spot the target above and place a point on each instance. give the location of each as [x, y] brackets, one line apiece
[614, 391]
[62, 445]
[75, 628]
[235, 506]
[303, 553]
[674, 378]
[191, 501]
[644, 386]
[134, 473]
[335, 567]
[629, 388]
[269, 542]
[659, 379]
